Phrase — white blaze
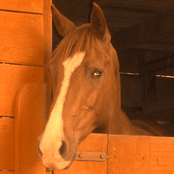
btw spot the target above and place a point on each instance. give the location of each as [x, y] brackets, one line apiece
[54, 127]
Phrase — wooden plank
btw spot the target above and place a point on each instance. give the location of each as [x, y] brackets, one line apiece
[6, 144]
[20, 5]
[47, 17]
[7, 172]
[30, 122]
[140, 154]
[12, 78]
[127, 154]
[21, 38]
[161, 154]
[47, 21]
[94, 142]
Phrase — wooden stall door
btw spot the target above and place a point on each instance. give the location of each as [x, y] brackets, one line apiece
[140, 155]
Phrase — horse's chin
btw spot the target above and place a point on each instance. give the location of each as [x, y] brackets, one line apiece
[67, 167]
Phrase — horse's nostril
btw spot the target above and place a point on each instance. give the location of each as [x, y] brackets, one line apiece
[63, 149]
[38, 149]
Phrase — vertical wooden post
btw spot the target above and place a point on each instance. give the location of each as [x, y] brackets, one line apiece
[47, 21]
[47, 16]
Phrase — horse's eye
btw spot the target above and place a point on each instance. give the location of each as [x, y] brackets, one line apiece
[96, 73]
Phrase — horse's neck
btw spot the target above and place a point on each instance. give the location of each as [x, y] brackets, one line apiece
[120, 124]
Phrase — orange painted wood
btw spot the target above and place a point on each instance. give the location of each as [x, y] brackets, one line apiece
[21, 5]
[94, 142]
[47, 20]
[6, 144]
[47, 16]
[140, 154]
[127, 154]
[30, 122]
[161, 155]
[7, 172]
[12, 78]
[21, 38]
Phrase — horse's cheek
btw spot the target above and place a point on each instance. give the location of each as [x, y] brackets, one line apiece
[91, 100]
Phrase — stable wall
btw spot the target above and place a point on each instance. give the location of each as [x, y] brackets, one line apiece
[25, 35]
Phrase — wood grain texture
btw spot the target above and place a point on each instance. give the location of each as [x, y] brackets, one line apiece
[21, 38]
[127, 154]
[20, 5]
[94, 142]
[12, 78]
[161, 155]
[7, 144]
[47, 21]
[140, 154]
[30, 122]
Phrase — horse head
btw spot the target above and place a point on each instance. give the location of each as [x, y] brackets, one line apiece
[86, 87]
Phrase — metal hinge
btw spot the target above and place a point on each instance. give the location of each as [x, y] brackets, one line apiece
[91, 156]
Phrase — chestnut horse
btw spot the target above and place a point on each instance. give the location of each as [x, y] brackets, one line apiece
[85, 83]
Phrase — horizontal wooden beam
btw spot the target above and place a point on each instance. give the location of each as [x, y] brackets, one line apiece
[30, 6]
[21, 38]
[140, 154]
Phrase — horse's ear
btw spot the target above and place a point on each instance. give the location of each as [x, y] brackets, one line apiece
[63, 25]
[98, 22]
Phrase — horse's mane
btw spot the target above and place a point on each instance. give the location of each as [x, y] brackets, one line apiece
[81, 39]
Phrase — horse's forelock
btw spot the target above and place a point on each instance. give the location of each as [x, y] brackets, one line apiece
[81, 39]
